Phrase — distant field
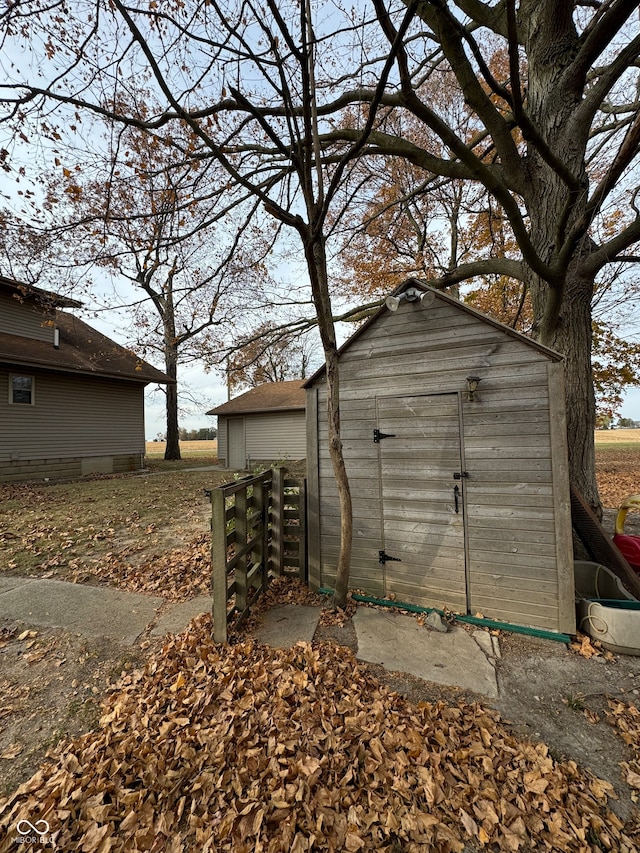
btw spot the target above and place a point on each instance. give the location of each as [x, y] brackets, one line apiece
[187, 448]
[617, 437]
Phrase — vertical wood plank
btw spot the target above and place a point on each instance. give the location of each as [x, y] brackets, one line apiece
[261, 555]
[277, 521]
[313, 492]
[302, 514]
[241, 541]
[219, 565]
[561, 499]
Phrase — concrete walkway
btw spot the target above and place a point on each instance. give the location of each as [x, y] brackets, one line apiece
[94, 611]
[400, 644]
[397, 642]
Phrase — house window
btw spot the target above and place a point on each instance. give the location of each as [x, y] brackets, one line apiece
[21, 389]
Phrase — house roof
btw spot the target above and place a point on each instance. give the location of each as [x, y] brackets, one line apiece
[270, 397]
[461, 306]
[29, 293]
[82, 350]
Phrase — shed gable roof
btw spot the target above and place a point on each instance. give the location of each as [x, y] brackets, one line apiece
[82, 350]
[460, 306]
[270, 397]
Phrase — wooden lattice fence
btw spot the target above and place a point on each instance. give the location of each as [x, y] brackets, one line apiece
[258, 530]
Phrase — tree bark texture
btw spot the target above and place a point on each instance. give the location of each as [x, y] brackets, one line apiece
[172, 450]
[317, 265]
[562, 308]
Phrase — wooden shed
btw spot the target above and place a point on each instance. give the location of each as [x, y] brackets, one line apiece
[263, 425]
[454, 436]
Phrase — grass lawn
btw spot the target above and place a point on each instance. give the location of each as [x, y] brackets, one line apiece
[126, 531]
[617, 439]
[194, 454]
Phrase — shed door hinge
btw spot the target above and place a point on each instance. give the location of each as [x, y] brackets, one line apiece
[385, 558]
[378, 436]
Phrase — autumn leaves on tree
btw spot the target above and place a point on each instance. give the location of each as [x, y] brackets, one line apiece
[494, 144]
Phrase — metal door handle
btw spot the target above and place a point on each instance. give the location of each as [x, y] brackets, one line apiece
[456, 493]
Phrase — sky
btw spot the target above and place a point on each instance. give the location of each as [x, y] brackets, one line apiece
[210, 390]
[200, 389]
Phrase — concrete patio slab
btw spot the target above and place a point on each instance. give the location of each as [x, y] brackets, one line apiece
[283, 627]
[400, 644]
[178, 616]
[89, 610]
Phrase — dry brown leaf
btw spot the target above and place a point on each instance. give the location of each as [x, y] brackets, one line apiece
[245, 748]
[12, 751]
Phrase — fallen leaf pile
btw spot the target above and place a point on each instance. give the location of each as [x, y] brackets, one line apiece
[618, 475]
[625, 718]
[178, 575]
[245, 748]
[587, 647]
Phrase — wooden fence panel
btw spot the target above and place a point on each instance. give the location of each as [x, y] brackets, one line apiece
[258, 529]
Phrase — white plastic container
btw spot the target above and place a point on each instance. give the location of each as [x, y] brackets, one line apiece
[606, 611]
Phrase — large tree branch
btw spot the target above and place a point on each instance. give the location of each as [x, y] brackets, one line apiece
[486, 266]
[598, 35]
[590, 105]
[627, 152]
[493, 18]
[612, 250]
[452, 35]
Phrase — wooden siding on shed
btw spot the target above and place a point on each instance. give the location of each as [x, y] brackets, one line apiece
[516, 523]
[74, 416]
[24, 319]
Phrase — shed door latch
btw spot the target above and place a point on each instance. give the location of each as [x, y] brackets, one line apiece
[378, 436]
[385, 558]
[460, 475]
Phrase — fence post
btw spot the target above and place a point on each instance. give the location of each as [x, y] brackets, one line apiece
[260, 500]
[277, 521]
[241, 542]
[219, 565]
[302, 511]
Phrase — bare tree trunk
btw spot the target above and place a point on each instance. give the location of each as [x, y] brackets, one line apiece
[567, 328]
[317, 264]
[342, 481]
[562, 311]
[172, 450]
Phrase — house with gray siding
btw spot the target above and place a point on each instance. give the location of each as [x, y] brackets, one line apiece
[71, 399]
[454, 435]
[264, 425]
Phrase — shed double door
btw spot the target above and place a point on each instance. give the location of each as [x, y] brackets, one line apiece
[422, 503]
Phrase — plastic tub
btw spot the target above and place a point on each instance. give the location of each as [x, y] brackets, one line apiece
[616, 624]
[606, 610]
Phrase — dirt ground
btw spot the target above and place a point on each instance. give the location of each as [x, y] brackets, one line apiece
[548, 693]
[52, 683]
